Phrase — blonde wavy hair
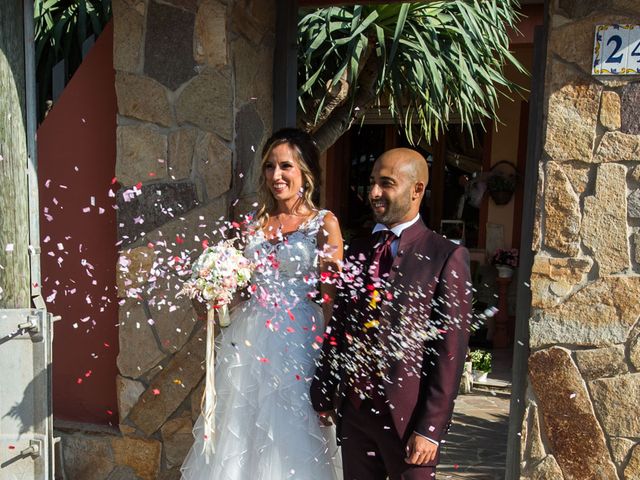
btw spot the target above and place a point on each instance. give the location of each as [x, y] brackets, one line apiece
[308, 158]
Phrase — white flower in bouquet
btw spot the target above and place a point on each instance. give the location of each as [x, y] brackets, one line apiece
[219, 272]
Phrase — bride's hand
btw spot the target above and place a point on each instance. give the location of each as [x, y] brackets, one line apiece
[327, 418]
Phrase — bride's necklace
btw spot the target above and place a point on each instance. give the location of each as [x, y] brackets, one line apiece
[290, 223]
[286, 223]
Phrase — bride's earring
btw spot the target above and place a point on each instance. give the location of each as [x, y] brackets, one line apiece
[303, 189]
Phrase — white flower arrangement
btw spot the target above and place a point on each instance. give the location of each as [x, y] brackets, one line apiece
[219, 272]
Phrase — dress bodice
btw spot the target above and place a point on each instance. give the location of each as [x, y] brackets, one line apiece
[286, 267]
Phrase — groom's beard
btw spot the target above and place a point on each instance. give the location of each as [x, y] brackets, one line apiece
[395, 209]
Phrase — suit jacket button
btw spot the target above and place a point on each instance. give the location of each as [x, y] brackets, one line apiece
[395, 268]
[400, 253]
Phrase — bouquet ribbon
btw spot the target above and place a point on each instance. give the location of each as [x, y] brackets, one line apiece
[209, 407]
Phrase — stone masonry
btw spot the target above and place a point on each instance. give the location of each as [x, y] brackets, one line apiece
[194, 90]
[584, 367]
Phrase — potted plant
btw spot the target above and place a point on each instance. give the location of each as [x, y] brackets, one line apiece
[502, 181]
[505, 260]
[501, 187]
[480, 364]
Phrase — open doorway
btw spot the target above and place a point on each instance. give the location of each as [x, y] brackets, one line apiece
[488, 219]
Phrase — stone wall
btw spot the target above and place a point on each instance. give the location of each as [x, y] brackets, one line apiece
[194, 89]
[581, 418]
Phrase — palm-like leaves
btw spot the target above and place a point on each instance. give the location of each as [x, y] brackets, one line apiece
[432, 59]
[61, 26]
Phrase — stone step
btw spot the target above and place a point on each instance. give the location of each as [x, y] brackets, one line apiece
[493, 386]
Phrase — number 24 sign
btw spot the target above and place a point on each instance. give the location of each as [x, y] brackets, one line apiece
[616, 50]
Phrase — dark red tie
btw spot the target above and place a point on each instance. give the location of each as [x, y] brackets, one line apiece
[382, 256]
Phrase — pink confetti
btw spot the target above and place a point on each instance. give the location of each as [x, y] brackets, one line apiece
[156, 391]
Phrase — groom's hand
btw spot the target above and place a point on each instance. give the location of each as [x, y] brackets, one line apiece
[327, 418]
[420, 450]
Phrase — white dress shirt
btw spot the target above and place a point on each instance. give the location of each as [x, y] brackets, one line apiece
[397, 231]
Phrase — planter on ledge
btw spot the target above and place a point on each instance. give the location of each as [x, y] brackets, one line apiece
[504, 271]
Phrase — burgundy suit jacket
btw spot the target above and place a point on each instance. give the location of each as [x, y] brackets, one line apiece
[424, 329]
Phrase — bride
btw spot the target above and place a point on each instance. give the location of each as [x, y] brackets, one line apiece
[266, 428]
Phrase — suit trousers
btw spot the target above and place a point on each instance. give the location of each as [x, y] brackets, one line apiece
[372, 448]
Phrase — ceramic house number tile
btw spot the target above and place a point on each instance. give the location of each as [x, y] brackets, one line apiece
[633, 62]
[616, 50]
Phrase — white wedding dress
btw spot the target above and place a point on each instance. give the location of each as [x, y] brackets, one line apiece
[266, 428]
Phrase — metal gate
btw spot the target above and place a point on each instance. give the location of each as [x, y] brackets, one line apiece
[26, 424]
[26, 334]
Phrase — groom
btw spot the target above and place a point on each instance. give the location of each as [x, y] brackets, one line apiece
[394, 350]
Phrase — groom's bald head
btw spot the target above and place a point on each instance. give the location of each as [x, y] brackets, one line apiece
[398, 182]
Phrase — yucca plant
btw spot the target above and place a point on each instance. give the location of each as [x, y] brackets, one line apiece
[61, 27]
[426, 61]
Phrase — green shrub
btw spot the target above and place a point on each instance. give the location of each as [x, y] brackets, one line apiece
[481, 360]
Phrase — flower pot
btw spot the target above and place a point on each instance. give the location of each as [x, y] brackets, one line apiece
[501, 197]
[504, 271]
[480, 376]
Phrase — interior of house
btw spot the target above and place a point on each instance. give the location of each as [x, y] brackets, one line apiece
[474, 198]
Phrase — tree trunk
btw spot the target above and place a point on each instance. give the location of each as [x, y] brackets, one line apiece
[343, 116]
[14, 193]
[338, 94]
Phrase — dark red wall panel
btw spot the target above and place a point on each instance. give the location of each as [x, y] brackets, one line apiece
[76, 163]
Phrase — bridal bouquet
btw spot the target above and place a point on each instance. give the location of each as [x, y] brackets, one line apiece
[219, 272]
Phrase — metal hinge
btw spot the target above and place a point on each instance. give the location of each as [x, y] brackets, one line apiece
[34, 325]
